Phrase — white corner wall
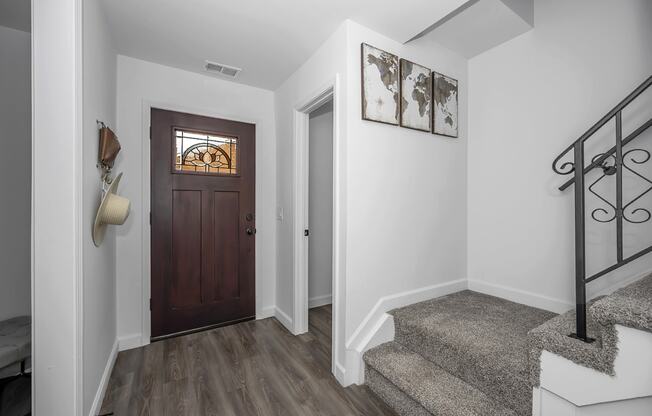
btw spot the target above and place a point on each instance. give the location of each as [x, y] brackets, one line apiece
[403, 191]
[99, 263]
[141, 85]
[529, 99]
[56, 208]
[15, 172]
[406, 191]
[320, 70]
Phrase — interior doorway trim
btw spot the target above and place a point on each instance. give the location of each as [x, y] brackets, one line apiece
[146, 195]
[300, 212]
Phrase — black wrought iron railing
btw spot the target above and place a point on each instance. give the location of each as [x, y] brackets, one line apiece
[625, 208]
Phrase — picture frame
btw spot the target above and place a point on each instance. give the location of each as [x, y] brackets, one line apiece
[445, 105]
[415, 96]
[380, 90]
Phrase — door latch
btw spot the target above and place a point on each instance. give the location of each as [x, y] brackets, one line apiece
[306, 232]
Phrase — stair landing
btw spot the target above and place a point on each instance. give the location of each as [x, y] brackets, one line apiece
[477, 339]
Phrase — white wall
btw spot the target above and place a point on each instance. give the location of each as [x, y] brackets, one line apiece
[404, 191]
[320, 217]
[56, 208]
[320, 70]
[99, 263]
[406, 198]
[15, 172]
[529, 99]
[141, 84]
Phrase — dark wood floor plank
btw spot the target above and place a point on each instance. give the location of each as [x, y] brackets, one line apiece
[255, 368]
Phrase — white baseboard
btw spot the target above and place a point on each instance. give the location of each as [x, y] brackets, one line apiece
[104, 381]
[131, 341]
[265, 313]
[378, 326]
[318, 301]
[340, 374]
[521, 296]
[382, 332]
[128, 342]
[284, 319]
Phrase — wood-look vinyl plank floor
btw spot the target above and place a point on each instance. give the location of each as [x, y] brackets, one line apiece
[254, 368]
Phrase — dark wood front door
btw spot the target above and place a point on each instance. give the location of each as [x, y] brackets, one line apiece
[202, 222]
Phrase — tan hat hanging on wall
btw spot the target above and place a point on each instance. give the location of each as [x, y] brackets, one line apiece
[113, 210]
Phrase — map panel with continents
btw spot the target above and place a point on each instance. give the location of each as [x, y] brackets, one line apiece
[380, 88]
[445, 111]
[416, 88]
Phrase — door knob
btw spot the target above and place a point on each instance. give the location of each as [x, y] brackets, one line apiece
[251, 231]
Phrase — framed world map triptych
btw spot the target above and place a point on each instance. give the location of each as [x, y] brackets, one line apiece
[400, 92]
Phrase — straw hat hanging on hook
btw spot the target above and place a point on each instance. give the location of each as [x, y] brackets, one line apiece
[114, 210]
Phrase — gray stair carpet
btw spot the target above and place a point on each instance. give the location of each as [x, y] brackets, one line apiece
[475, 341]
[415, 386]
[630, 306]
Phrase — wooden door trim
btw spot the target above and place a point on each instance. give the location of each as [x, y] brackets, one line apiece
[144, 338]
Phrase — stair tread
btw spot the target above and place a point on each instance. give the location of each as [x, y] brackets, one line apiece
[489, 328]
[629, 306]
[438, 391]
[394, 397]
[478, 338]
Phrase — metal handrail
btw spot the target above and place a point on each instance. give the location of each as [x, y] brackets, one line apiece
[599, 161]
[604, 120]
[619, 165]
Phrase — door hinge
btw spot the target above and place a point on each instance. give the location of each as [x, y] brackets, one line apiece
[150, 304]
[150, 132]
[150, 218]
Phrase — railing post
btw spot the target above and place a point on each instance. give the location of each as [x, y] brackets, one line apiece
[619, 185]
[580, 251]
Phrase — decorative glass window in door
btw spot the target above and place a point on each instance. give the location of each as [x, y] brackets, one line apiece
[205, 153]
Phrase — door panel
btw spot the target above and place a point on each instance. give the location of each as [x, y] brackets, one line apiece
[203, 199]
[227, 245]
[185, 277]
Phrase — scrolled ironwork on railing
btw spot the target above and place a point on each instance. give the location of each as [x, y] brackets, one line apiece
[613, 162]
[607, 170]
[566, 168]
[645, 211]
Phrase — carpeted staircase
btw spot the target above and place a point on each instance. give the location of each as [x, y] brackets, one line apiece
[470, 354]
[458, 355]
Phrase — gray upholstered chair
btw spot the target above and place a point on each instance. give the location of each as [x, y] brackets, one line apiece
[15, 345]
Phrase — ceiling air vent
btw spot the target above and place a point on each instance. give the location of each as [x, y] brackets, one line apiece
[226, 70]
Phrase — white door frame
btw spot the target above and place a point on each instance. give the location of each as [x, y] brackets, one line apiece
[301, 205]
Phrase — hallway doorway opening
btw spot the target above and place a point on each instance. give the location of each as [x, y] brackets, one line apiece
[320, 222]
[317, 214]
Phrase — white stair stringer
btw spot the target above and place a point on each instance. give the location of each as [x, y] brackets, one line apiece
[568, 389]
